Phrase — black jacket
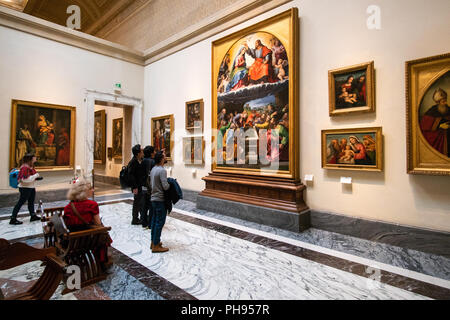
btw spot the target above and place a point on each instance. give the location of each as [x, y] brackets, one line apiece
[148, 163]
[136, 173]
[173, 194]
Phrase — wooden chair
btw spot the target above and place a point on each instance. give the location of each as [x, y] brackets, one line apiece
[13, 255]
[76, 248]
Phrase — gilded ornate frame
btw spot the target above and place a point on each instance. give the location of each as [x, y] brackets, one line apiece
[420, 76]
[218, 50]
[114, 121]
[12, 148]
[379, 155]
[172, 127]
[370, 85]
[199, 101]
[102, 114]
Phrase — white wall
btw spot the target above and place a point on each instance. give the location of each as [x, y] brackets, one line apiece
[333, 34]
[112, 167]
[41, 70]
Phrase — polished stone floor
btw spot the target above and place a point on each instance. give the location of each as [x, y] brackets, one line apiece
[216, 257]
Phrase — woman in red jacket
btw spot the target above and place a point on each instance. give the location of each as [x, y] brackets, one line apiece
[81, 212]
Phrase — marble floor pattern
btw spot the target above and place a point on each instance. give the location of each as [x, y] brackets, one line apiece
[204, 262]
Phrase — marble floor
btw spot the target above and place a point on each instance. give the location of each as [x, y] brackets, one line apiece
[218, 258]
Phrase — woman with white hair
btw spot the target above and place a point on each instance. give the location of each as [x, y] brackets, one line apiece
[82, 212]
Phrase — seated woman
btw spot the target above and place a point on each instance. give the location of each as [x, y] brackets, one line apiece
[82, 212]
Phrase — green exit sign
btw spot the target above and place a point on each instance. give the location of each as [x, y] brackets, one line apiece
[118, 85]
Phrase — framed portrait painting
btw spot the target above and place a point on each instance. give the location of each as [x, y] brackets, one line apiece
[46, 130]
[352, 89]
[428, 115]
[100, 137]
[162, 134]
[194, 115]
[255, 99]
[117, 138]
[193, 150]
[353, 149]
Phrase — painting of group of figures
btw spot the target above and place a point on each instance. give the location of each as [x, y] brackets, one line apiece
[352, 148]
[162, 134]
[44, 130]
[253, 102]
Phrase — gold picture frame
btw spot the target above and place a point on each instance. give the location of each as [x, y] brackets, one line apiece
[353, 149]
[117, 138]
[352, 89]
[194, 114]
[194, 150]
[100, 137]
[428, 115]
[47, 130]
[162, 137]
[282, 29]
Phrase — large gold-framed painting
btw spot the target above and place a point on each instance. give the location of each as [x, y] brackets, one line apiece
[117, 138]
[100, 137]
[46, 130]
[353, 149]
[162, 134]
[255, 99]
[428, 115]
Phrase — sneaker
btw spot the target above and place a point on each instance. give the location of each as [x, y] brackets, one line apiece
[15, 222]
[34, 218]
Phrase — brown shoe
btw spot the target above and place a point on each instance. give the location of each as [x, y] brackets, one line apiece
[159, 248]
[152, 245]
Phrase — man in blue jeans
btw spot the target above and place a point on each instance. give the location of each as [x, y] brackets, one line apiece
[158, 179]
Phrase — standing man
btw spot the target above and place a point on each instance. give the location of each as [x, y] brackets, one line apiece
[136, 172]
[158, 178]
[149, 163]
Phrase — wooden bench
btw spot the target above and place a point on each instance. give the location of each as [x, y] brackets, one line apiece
[76, 248]
[16, 254]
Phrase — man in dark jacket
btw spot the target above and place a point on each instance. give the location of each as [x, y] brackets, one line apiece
[149, 163]
[137, 175]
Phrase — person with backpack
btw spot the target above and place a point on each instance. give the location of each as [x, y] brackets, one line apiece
[137, 179]
[26, 179]
[149, 163]
[159, 184]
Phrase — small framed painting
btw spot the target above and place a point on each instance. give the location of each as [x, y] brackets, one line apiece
[353, 149]
[194, 115]
[352, 89]
[117, 138]
[100, 137]
[162, 134]
[428, 115]
[193, 150]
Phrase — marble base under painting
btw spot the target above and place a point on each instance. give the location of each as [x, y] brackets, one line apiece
[275, 218]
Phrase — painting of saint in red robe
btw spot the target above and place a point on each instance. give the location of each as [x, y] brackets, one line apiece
[63, 148]
[435, 115]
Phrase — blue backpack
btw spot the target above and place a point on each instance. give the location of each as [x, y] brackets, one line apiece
[13, 182]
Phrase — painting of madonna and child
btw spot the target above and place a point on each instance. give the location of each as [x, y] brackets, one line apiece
[351, 89]
[253, 104]
[352, 149]
[44, 130]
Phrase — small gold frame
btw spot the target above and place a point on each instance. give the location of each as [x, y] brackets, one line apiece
[191, 104]
[172, 127]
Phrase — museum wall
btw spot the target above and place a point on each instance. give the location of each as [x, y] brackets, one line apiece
[41, 70]
[333, 34]
[112, 166]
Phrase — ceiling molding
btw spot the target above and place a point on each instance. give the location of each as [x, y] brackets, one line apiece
[23, 22]
[221, 21]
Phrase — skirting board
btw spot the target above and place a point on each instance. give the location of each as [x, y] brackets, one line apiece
[424, 240]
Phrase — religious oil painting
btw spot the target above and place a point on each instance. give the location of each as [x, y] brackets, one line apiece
[194, 115]
[117, 138]
[428, 115]
[193, 150]
[353, 149]
[46, 130]
[100, 137]
[254, 101]
[162, 134]
[352, 89]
